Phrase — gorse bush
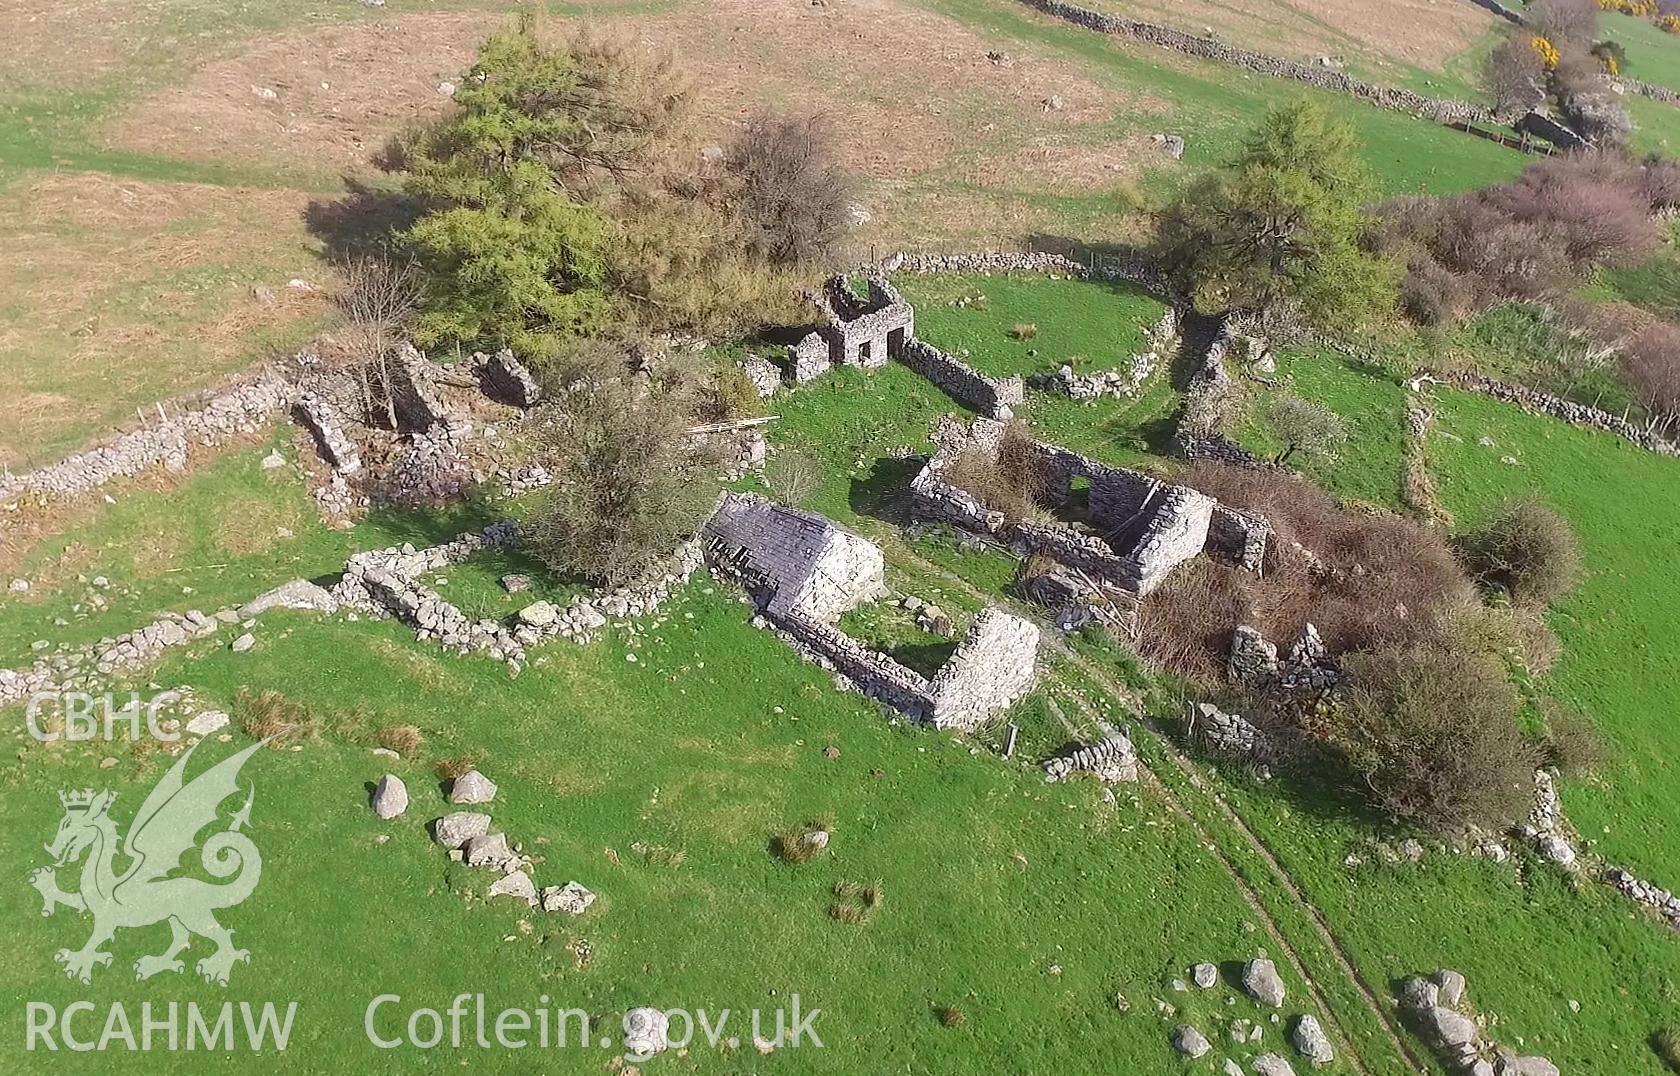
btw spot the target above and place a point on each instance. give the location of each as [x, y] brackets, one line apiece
[1528, 551]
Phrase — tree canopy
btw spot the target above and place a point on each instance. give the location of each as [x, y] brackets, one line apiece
[1284, 222]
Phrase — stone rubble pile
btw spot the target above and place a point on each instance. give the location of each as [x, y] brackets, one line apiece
[1434, 1008]
[1112, 759]
[433, 466]
[1546, 825]
[241, 410]
[1224, 735]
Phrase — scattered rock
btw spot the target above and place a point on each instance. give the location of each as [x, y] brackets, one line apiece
[207, 722]
[390, 797]
[18, 586]
[244, 643]
[1272, 1065]
[1190, 1042]
[1261, 980]
[472, 787]
[1309, 1038]
[1525, 1066]
[297, 594]
[518, 884]
[454, 830]
[1205, 975]
[571, 898]
[273, 461]
[1446, 1029]
[516, 584]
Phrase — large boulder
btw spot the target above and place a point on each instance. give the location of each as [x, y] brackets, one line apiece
[1272, 1065]
[1205, 975]
[454, 830]
[518, 884]
[1309, 1038]
[1452, 986]
[646, 1032]
[1190, 1042]
[1446, 1029]
[472, 787]
[1524, 1066]
[571, 898]
[1419, 995]
[390, 797]
[1261, 980]
[298, 594]
[488, 850]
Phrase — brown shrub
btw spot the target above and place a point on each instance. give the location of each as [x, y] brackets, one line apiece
[1528, 551]
[1432, 294]
[1572, 743]
[1595, 204]
[1360, 577]
[405, 740]
[1010, 481]
[1023, 330]
[1186, 624]
[1429, 728]
[1660, 182]
[1651, 363]
[792, 188]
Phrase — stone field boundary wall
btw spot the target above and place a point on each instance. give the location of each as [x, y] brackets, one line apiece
[1542, 403]
[990, 396]
[1438, 109]
[243, 409]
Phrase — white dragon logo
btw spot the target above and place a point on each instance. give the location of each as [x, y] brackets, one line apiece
[163, 830]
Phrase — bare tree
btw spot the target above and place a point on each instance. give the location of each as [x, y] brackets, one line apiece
[1652, 363]
[1561, 21]
[378, 298]
[792, 189]
[1514, 76]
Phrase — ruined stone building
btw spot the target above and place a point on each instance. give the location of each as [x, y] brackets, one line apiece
[803, 572]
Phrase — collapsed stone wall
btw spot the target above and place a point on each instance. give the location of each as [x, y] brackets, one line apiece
[241, 410]
[1160, 343]
[1207, 48]
[320, 418]
[1543, 403]
[1239, 536]
[507, 379]
[989, 396]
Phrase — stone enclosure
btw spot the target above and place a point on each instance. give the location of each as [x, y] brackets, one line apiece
[1137, 529]
[802, 572]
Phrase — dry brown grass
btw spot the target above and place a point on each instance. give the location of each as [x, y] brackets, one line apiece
[121, 293]
[272, 716]
[914, 94]
[405, 740]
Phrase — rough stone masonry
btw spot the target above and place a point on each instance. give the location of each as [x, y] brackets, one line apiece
[803, 572]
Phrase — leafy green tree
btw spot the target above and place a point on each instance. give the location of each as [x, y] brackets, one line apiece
[1307, 427]
[510, 254]
[1285, 223]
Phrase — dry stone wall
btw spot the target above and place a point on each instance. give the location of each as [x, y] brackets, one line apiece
[508, 380]
[1208, 48]
[1542, 403]
[989, 396]
[238, 411]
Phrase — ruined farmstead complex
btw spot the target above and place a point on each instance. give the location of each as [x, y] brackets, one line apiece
[803, 572]
[1137, 528]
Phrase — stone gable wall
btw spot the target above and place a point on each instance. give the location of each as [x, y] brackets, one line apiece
[993, 667]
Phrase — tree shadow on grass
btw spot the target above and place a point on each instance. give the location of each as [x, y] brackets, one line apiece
[365, 221]
[884, 493]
